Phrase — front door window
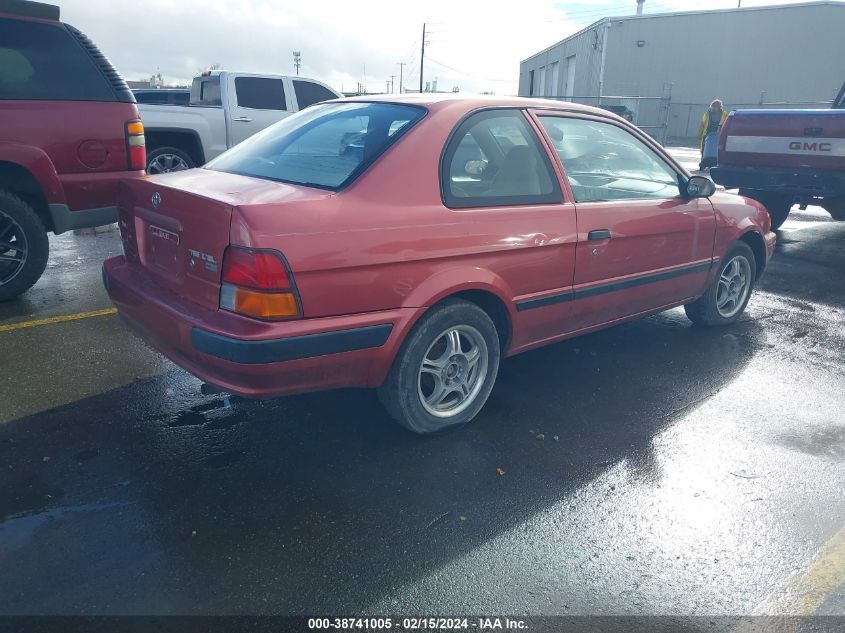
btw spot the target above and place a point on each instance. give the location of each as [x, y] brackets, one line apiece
[604, 162]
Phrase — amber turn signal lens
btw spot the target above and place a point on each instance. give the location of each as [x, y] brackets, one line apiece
[135, 127]
[262, 305]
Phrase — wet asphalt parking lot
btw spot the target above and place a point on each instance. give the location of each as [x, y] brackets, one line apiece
[652, 468]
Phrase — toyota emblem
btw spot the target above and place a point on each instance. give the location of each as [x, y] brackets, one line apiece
[156, 200]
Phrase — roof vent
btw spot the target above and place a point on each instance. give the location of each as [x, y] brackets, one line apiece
[121, 90]
[30, 9]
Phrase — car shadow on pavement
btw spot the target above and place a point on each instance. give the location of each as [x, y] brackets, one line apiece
[154, 499]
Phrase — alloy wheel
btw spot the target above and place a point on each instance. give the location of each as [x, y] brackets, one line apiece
[12, 249]
[453, 371]
[734, 286]
[165, 163]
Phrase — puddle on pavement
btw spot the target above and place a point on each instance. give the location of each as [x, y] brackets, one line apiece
[826, 441]
[216, 413]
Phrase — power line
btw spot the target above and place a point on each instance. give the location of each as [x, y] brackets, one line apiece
[474, 76]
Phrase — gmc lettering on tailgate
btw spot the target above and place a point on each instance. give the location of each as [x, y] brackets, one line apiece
[785, 145]
[810, 147]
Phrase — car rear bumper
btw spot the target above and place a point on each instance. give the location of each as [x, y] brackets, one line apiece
[812, 183]
[251, 358]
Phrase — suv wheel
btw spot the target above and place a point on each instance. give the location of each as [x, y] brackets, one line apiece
[725, 299]
[23, 246]
[166, 159]
[444, 370]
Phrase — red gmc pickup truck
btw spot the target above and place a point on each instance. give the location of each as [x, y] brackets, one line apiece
[69, 132]
[786, 157]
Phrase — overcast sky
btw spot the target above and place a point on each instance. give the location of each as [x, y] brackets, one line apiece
[476, 45]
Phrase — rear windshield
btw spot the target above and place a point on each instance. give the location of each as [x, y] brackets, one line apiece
[325, 146]
[44, 61]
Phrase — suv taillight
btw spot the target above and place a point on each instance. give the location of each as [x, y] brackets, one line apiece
[258, 283]
[135, 145]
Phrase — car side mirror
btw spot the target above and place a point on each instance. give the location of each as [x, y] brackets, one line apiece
[700, 187]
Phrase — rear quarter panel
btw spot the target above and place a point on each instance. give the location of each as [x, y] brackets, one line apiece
[59, 129]
[209, 123]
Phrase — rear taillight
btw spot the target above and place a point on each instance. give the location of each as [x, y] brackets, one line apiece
[136, 145]
[258, 283]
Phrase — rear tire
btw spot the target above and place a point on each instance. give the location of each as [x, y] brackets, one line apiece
[835, 207]
[24, 246]
[163, 160]
[778, 206]
[445, 369]
[726, 297]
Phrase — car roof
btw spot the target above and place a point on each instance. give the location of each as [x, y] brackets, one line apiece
[474, 102]
[28, 9]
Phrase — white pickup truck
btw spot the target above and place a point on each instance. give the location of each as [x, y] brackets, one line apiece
[225, 108]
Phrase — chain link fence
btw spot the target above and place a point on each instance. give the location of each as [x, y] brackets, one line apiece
[670, 122]
[648, 113]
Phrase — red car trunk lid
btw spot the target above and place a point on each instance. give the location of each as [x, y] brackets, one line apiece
[178, 225]
[177, 236]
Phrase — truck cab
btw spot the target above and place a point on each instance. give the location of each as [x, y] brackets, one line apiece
[225, 108]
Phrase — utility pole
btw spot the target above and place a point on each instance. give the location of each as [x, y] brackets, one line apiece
[297, 60]
[392, 77]
[401, 69]
[422, 58]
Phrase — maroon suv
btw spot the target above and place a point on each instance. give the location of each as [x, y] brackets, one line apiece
[69, 132]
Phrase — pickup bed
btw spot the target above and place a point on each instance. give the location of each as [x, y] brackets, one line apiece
[786, 157]
[225, 108]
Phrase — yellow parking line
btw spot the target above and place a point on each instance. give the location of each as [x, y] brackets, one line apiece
[57, 319]
[807, 592]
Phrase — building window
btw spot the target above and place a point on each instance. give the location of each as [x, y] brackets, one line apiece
[569, 80]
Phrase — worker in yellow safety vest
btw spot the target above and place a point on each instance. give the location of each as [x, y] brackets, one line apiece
[708, 133]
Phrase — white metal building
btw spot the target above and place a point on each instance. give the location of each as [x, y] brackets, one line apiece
[786, 54]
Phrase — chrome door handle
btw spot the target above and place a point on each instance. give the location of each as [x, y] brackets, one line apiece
[243, 119]
[599, 234]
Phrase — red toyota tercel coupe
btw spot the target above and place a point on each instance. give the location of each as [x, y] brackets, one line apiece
[408, 244]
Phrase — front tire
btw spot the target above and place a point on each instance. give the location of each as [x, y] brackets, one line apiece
[726, 297]
[24, 246]
[445, 369]
[163, 160]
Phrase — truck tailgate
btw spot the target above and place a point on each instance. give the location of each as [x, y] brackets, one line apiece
[784, 138]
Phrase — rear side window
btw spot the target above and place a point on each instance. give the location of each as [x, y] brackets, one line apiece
[326, 146]
[494, 159]
[308, 93]
[205, 91]
[260, 93]
[45, 62]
